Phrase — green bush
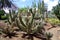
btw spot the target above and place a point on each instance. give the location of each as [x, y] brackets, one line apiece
[53, 21]
[3, 17]
[2, 12]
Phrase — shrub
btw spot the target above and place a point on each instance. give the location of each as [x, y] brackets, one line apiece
[53, 21]
[3, 17]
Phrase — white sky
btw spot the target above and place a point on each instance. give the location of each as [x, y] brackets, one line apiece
[23, 0]
[51, 3]
[6, 10]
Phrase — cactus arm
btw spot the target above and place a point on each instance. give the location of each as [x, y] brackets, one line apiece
[20, 26]
[33, 14]
[20, 18]
[11, 16]
[34, 29]
[9, 21]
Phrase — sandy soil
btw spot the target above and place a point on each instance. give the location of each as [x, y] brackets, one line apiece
[55, 32]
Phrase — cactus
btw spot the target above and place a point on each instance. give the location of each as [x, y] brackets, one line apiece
[11, 17]
[9, 30]
[26, 24]
[48, 36]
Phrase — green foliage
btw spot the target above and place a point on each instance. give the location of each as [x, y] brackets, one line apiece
[2, 12]
[4, 17]
[56, 10]
[53, 21]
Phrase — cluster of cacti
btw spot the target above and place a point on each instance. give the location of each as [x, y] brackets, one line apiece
[11, 17]
[9, 30]
[27, 23]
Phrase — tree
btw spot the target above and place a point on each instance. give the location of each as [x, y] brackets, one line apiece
[56, 10]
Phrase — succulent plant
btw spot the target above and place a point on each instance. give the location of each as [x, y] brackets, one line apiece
[26, 24]
[9, 30]
[48, 36]
[11, 17]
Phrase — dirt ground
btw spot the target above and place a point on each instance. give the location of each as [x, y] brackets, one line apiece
[55, 31]
[19, 37]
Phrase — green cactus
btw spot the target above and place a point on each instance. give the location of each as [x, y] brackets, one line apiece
[9, 30]
[26, 24]
[11, 17]
[48, 36]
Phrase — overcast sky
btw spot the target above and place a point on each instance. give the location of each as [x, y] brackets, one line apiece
[24, 3]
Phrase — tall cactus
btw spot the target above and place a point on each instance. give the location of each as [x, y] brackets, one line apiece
[27, 24]
[41, 8]
[9, 31]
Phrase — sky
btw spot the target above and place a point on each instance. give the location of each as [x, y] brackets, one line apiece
[25, 3]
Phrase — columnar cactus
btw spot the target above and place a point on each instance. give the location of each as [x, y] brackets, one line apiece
[9, 30]
[11, 17]
[27, 25]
